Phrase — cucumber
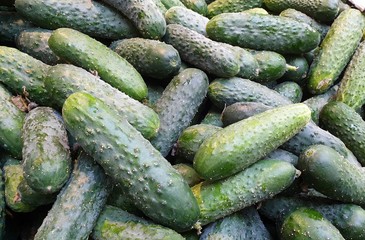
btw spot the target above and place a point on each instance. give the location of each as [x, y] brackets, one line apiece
[114, 224]
[154, 93]
[329, 173]
[247, 141]
[145, 15]
[263, 32]
[352, 83]
[2, 206]
[199, 6]
[300, 73]
[29, 196]
[188, 173]
[157, 189]
[178, 105]
[260, 181]
[63, 79]
[172, 3]
[271, 66]
[46, 153]
[324, 11]
[306, 223]
[160, 6]
[12, 23]
[90, 17]
[290, 90]
[12, 120]
[336, 50]
[151, 58]
[245, 224]
[210, 56]
[34, 41]
[222, 6]
[88, 53]
[119, 199]
[283, 155]
[213, 117]
[80, 201]
[251, 66]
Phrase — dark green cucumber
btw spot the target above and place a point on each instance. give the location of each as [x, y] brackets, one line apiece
[328, 172]
[114, 224]
[157, 189]
[210, 56]
[263, 32]
[290, 90]
[46, 153]
[145, 15]
[118, 198]
[34, 41]
[84, 51]
[187, 18]
[300, 73]
[352, 84]
[178, 105]
[78, 205]
[90, 17]
[336, 50]
[23, 74]
[62, 80]
[29, 196]
[11, 124]
[249, 140]
[260, 181]
[245, 224]
[199, 6]
[283, 155]
[306, 223]
[320, 10]
[151, 58]
[2, 206]
[188, 173]
[271, 66]
[12, 23]
[172, 3]
[191, 139]
[223, 6]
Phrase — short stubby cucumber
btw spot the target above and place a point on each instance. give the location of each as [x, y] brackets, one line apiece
[223, 6]
[263, 32]
[239, 145]
[12, 23]
[157, 189]
[88, 53]
[300, 71]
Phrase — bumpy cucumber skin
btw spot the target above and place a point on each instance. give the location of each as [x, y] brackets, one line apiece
[178, 105]
[63, 79]
[352, 84]
[250, 65]
[271, 66]
[12, 23]
[336, 50]
[118, 198]
[263, 32]
[298, 75]
[199, 6]
[223, 6]
[90, 54]
[242, 110]
[78, 205]
[114, 224]
[290, 90]
[258, 182]
[210, 56]
[90, 17]
[19, 72]
[152, 183]
[188, 173]
[46, 153]
[11, 124]
[151, 58]
[306, 223]
[329, 173]
[187, 18]
[144, 14]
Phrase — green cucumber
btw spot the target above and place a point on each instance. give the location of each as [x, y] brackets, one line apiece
[252, 66]
[145, 15]
[12, 23]
[82, 50]
[62, 80]
[199, 6]
[157, 189]
[119, 199]
[188, 173]
[213, 117]
[178, 105]
[336, 50]
[114, 224]
[29, 196]
[11, 124]
[247, 141]
[151, 58]
[172, 3]
[290, 90]
[263, 32]
[78, 205]
[222, 6]
[271, 66]
[46, 153]
[210, 56]
[300, 73]
[283, 155]
[241, 110]
[260, 181]
[306, 223]
[154, 93]
[90, 17]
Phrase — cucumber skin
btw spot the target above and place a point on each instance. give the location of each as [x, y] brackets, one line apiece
[46, 152]
[336, 50]
[162, 191]
[84, 51]
[199, 6]
[223, 6]
[63, 79]
[271, 66]
[213, 117]
[188, 173]
[284, 156]
[12, 23]
[263, 32]
[178, 105]
[300, 73]
[80, 201]
[221, 198]
[90, 17]
[290, 90]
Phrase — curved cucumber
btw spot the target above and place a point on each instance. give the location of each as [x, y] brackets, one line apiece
[223, 6]
[12, 23]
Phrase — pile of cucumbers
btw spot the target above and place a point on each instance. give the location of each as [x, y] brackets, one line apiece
[182, 119]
